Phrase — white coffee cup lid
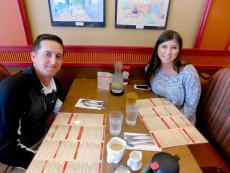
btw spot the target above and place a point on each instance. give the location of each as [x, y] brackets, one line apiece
[121, 169]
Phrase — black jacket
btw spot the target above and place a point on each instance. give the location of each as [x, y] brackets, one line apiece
[24, 110]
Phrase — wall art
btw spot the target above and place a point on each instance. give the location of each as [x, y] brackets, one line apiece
[141, 14]
[77, 13]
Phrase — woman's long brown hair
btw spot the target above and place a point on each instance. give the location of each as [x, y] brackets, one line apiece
[155, 61]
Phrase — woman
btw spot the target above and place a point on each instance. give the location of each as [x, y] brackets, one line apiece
[171, 78]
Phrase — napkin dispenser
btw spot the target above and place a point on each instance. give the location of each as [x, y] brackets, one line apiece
[163, 162]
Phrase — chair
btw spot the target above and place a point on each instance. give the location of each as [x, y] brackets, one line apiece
[3, 72]
[213, 120]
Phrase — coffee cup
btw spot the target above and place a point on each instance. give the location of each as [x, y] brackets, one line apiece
[134, 161]
[115, 150]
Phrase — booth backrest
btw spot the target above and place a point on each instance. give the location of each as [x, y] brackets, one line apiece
[213, 114]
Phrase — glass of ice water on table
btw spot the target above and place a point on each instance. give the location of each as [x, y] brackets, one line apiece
[131, 114]
[115, 122]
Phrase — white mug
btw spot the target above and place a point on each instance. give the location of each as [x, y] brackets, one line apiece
[134, 161]
[115, 150]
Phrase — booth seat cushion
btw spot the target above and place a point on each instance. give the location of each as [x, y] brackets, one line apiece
[213, 120]
[214, 110]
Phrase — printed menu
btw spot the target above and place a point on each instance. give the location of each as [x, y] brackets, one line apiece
[73, 143]
[167, 125]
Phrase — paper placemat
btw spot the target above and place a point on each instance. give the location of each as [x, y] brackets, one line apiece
[38, 166]
[72, 143]
[167, 125]
[80, 119]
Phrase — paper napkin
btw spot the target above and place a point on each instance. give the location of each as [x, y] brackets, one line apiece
[90, 104]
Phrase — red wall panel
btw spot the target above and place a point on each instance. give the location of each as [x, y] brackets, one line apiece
[11, 28]
[217, 28]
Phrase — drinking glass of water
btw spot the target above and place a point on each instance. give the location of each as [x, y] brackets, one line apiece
[131, 114]
[115, 122]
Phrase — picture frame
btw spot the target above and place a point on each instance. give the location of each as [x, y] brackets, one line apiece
[141, 14]
[77, 13]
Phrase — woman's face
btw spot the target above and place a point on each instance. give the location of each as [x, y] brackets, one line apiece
[168, 51]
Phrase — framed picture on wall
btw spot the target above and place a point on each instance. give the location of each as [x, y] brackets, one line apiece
[77, 13]
[141, 14]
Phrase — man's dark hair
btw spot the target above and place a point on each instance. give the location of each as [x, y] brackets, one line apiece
[36, 44]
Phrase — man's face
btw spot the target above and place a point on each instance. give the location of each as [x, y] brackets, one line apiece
[47, 60]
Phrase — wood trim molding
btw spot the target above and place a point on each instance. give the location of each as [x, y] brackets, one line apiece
[202, 24]
[25, 22]
[227, 47]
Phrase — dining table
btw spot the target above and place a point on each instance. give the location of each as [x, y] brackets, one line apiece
[88, 88]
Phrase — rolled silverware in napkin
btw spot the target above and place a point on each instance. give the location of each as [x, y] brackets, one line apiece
[140, 141]
[134, 143]
[133, 139]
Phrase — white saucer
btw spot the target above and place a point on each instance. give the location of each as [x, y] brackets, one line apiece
[136, 168]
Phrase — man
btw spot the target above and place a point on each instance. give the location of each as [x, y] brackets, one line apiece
[28, 98]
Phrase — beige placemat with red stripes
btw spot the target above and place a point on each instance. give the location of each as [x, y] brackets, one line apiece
[75, 141]
[167, 125]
